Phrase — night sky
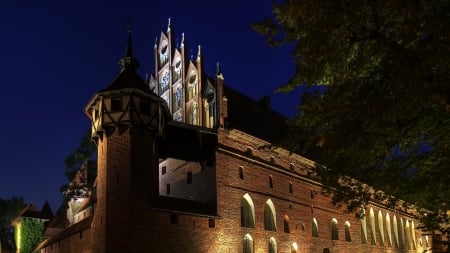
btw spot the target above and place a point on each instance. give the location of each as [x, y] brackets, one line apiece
[55, 55]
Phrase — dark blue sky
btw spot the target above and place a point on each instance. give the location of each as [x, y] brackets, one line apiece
[56, 54]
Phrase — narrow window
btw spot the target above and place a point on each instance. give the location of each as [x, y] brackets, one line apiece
[168, 189]
[272, 245]
[116, 104]
[334, 230]
[373, 236]
[290, 188]
[312, 194]
[348, 237]
[247, 212]
[270, 216]
[163, 170]
[81, 235]
[189, 177]
[270, 181]
[294, 247]
[286, 224]
[248, 244]
[241, 172]
[315, 228]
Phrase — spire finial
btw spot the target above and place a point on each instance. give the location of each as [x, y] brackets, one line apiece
[168, 25]
[156, 43]
[128, 61]
[182, 40]
[199, 53]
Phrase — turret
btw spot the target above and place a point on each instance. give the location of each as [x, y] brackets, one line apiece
[127, 121]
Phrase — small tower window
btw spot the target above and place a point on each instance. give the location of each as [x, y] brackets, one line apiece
[116, 104]
[211, 223]
[168, 189]
[290, 188]
[174, 218]
[270, 181]
[163, 170]
[241, 172]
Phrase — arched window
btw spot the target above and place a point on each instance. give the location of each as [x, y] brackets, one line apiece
[286, 224]
[408, 235]
[290, 188]
[270, 181]
[272, 245]
[381, 227]
[334, 229]
[270, 216]
[363, 226]
[413, 235]
[389, 229]
[401, 231]
[348, 237]
[394, 224]
[315, 228]
[247, 212]
[248, 244]
[373, 236]
[294, 247]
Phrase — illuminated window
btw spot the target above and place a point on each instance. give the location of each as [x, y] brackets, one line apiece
[348, 237]
[294, 247]
[334, 229]
[315, 228]
[286, 224]
[395, 226]
[269, 216]
[248, 244]
[381, 228]
[363, 226]
[247, 212]
[373, 236]
[272, 245]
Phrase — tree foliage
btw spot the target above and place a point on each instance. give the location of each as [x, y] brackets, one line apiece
[9, 209]
[382, 114]
[86, 150]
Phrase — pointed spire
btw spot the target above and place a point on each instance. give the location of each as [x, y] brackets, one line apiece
[168, 26]
[199, 53]
[128, 61]
[156, 43]
[218, 69]
[182, 40]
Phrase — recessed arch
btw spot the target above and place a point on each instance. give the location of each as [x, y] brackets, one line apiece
[286, 226]
[315, 228]
[373, 235]
[389, 229]
[401, 231]
[363, 225]
[272, 245]
[270, 216]
[334, 229]
[407, 235]
[248, 244]
[381, 227]
[348, 237]
[294, 247]
[395, 226]
[413, 235]
[247, 211]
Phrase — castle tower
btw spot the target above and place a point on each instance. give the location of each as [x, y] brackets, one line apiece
[127, 120]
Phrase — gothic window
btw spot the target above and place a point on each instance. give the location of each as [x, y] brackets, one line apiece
[178, 98]
[348, 237]
[164, 82]
[272, 245]
[290, 187]
[315, 228]
[363, 226]
[413, 235]
[270, 216]
[248, 244]
[286, 227]
[394, 224]
[381, 227]
[164, 53]
[177, 69]
[247, 212]
[334, 229]
[388, 229]
[372, 226]
[270, 181]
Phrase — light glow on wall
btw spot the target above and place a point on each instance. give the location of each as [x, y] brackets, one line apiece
[18, 232]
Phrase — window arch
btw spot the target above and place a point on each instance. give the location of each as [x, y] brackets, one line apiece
[407, 235]
[388, 229]
[248, 244]
[270, 181]
[247, 212]
[315, 228]
[402, 232]
[270, 216]
[381, 227]
[241, 172]
[363, 226]
[294, 247]
[413, 235]
[394, 224]
[334, 229]
[272, 245]
[373, 236]
[348, 237]
[286, 227]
